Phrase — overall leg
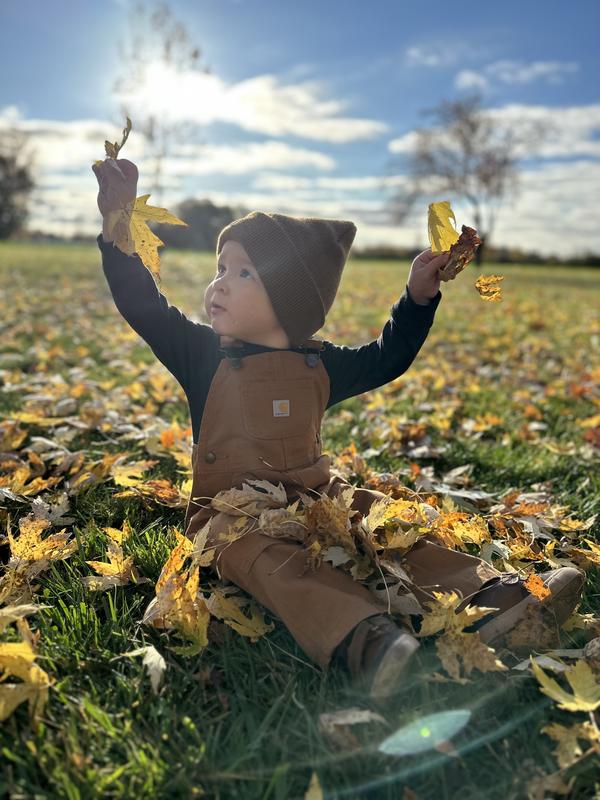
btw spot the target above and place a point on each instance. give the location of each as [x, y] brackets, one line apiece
[319, 607]
[430, 564]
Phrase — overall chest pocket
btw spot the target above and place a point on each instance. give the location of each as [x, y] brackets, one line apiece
[280, 409]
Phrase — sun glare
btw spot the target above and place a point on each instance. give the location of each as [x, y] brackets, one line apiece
[174, 94]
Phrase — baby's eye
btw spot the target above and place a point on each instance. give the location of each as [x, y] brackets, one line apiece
[241, 273]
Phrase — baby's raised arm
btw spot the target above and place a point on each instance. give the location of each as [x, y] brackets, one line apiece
[176, 341]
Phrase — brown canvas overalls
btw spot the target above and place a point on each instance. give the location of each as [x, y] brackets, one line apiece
[262, 420]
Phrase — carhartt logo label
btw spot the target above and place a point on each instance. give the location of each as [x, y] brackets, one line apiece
[281, 408]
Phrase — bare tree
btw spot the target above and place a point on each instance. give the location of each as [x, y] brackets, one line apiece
[155, 38]
[467, 154]
[16, 181]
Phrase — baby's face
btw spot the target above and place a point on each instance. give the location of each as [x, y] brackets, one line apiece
[246, 312]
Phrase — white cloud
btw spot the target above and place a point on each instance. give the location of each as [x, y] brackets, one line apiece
[550, 213]
[515, 72]
[573, 129]
[418, 56]
[342, 184]
[406, 143]
[469, 79]
[246, 157]
[260, 104]
[72, 147]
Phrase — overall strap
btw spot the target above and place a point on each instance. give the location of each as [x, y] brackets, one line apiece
[235, 351]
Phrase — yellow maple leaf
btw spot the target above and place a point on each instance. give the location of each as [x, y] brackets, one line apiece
[30, 546]
[130, 474]
[117, 535]
[229, 609]
[118, 571]
[583, 682]
[441, 614]
[141, 239]
[442, 234]
[454, 647]
[590, 557]
[178, 603]
[16, 658]
[568, 748]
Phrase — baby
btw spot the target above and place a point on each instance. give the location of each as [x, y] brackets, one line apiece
[258, 385]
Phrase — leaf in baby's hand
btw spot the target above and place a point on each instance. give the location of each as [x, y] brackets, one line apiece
[141, 239]
[442, 234]
[112, 148]
[127, 225]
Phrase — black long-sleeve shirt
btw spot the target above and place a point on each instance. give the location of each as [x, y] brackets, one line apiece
[190, 350]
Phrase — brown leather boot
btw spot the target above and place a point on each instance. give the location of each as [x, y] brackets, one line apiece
[379, 651]
[512, 599]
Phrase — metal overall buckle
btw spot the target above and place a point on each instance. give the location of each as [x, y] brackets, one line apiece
[234, 358]
[313, 346]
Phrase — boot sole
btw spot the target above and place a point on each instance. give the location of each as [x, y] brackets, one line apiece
[392, 665]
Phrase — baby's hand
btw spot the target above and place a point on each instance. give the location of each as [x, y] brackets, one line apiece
[424, 280]
[118, 190]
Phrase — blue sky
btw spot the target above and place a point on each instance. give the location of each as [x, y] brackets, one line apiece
[308, 103]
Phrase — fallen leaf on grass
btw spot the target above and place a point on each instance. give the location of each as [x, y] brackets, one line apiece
[586, 689]
[16, 659]
[336, 725]
[153, 661]
[178, 604]
[314, 791]
[29, 545]
[568, 749]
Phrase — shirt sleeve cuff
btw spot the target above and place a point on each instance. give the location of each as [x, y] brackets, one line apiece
[111, 247]
[432, 304]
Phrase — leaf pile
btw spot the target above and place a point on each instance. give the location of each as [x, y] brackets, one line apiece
[85, 416]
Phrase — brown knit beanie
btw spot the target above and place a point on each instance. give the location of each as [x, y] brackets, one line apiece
[300, 262]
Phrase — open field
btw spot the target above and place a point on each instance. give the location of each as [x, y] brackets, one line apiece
[511, 389]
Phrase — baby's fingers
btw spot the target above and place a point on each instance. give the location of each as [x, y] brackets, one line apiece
[440, 258]
[112, 169]
[128, 170]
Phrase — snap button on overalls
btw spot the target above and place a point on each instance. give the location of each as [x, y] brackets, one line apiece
[262, 420]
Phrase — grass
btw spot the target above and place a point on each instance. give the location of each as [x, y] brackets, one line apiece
[240, 720]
